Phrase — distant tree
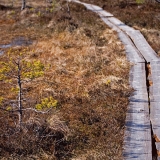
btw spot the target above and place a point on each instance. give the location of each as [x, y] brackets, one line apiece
[23, 4]
[68, 8]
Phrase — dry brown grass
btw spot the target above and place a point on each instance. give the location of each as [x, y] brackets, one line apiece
[86, 71]
[153, 37]
[144, 17]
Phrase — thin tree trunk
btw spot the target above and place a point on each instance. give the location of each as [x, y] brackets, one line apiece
[68, 8]
[23, 4]
[19, 96]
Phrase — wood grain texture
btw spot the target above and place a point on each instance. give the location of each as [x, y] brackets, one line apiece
[145, 49]
[155, 99]
[158, 150]
[137, 141]
[133, 55]
[120, 24]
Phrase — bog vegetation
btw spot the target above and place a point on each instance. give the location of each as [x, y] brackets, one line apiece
[139, 14]
[65, 95]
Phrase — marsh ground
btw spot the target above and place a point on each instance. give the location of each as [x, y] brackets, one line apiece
[86, 72]
[143, 16]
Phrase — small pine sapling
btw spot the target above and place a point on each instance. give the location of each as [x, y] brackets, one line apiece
[14, 74]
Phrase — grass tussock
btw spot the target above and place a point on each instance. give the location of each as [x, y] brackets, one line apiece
[86, 71]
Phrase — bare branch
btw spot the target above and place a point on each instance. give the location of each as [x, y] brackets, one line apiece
[37, 110]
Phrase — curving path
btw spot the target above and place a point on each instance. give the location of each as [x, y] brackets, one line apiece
[141, 141]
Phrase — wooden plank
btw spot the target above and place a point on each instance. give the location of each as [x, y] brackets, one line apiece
[120, 24]
[154, 116]
[1, 52]
[88, 6]
[101, 12]
[133, 55]
[155, 78]
[155, 65]
[111, 25]
[137, 78]
[140, 42]
[137, 141]
[155, 97]
[104, 14]
[138, 67]
[138, 39]
[158, 149]
[97, 9]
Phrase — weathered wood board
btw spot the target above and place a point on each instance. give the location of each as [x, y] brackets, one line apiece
[155, 97]
[140, 42]
[133, 55]
[101, 12]
[120, 24]
[155, 117]
[137, 141]
[158, 149]
[97, 10]
[111, 25]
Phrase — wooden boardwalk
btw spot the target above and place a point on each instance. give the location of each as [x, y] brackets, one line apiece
[142, 119]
